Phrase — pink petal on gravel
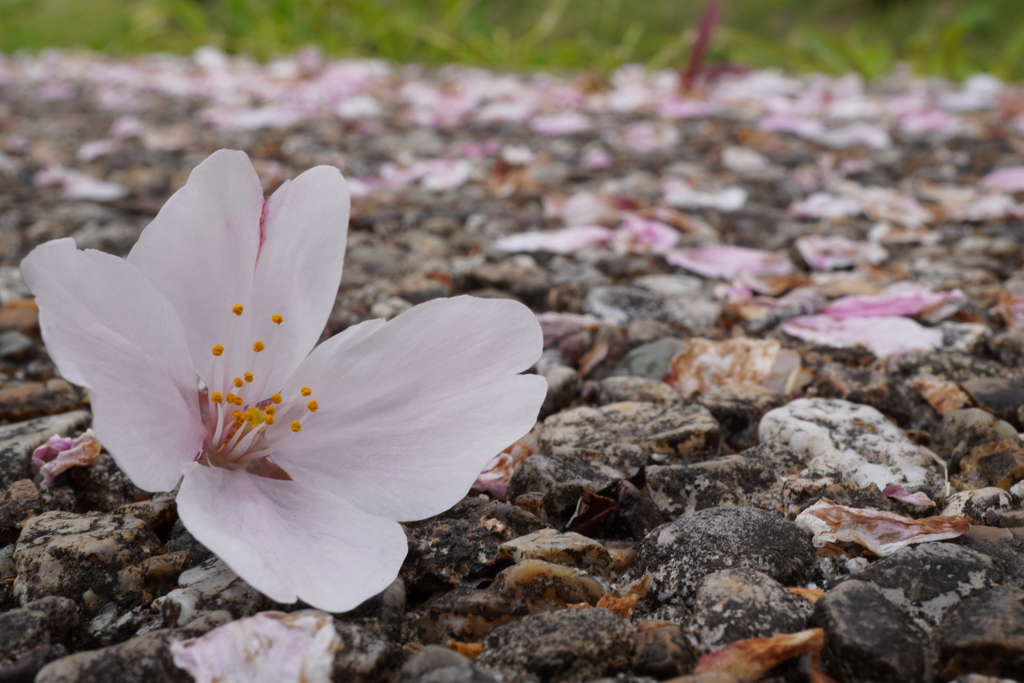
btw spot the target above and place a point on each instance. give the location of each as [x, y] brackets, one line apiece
[828, 252]
[883, 335]
[825, 205]
[727, 262]
[883, 533]
[918, 500]
[564, 123]
[903, 301]
[646, 235]
[60, 453]
[498, 471]
[564, 241]
[682, 194]
[1009, 179]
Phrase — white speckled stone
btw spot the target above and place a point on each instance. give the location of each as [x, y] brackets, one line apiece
[851, 442]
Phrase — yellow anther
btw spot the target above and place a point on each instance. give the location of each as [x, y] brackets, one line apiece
[306, 391]
[247, 376]
[276, 398]
[237, 309]
[236, 414]
[231, 397]
[238, 382]
[217, 350]
[296, 426]
[312, 405]
[238, 423]
[217, 397]
[270, 410]
[278, 319]
[258, 346]
[238, 400]
[269, 419]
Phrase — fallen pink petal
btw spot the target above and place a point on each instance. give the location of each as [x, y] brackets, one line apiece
[60, 453]
[727, 262]
[564, 241]
[906, 300]
[828, 252]
[883, 335]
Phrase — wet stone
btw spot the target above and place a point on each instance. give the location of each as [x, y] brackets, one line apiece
[621, 437]
[868, 639]
[738, 408]
[573, 644]
[82, 557]
[735, 604]
[724, 481]
[678, 555]
[467, 614]
[662, 650]
[18, 502]
[961, 430]
[34, 399]
[999, 396]
[620, 388]
[208, 588]
[37, 626]
[18, 440]
[928, 580]
[436, 664]
[851, 442]
[984, 634]
[650, 360]
[569, 549]
[860, 385]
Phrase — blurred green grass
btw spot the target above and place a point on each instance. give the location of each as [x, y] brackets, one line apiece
[951, 38]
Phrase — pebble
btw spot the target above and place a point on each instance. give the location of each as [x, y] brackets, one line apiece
[569, 549]
[557, 482]
[680, 554]
[18, 502]
[35, 633]
[725, 481]
[543, 586]
[650, 360]
[616, 389]
[18, 440]
[34, 399]
[851, 442]
[984, 634]
[436, 664]
[738, 408]
[996, 462]
[662, 650]
[210, 587]
[467, 614]
[362, 656]
[865, 386]
[961, 430]
[999, 396]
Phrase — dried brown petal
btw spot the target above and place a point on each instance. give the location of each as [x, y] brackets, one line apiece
[749, 660]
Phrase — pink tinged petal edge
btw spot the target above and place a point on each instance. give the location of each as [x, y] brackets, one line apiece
[60, 453]
[727, 262]
[108, 329]
[201, 248]
[412, 410]
[564, 241]
[883, 335]
[905, 301]
[289, 540]
[271, 647]
[1009, 179]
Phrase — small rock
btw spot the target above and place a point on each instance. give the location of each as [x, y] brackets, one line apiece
[102, 485]
[984, 634]
[436, 664]
[638, 511]
[847, 441]
[951, 366]
[383, 613]
[622, 305]
[573, 644]
[208, 588]
[964, 337]
[15, 347]
[447, 552]
[34, 399]
[735, 604]
[650, 360]
[363, 657]
[561, 481]
[997, 462]
[927, 580]
[999, 396]
[17, 441]
[738, 408]
[868, 639]
[662, 650]
[620, 388]
[18, 502]
[678, 555]
[724, 481]
[1008, 347]
[467, 614]
[38, 625]
[569, 549]
[961, 430]
[975, 503]
[862, 385]
[564, 385]
[544, 586]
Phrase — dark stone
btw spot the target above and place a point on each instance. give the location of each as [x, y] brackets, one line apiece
[678, 555]
[102, 485]
[622, 305]
[561, 480]
[638, 511]
[997, 462]
[383, 613]
[999, 396]
[868, 639]
[564, 385]
[34, 399]
[363, 657]
[467, 614]
[447, 553]
[650, 360]
[18, 502]
[16, 347]
[565, 645]
[183, 540]
[35, 627]
[961, 430]
[735, 604]
[862, 385]
[725, 481]
[739, 408]
[436, 664]
[951, 366]
[1008, 347]
[984, 634]
[662, 650]
[927, 580]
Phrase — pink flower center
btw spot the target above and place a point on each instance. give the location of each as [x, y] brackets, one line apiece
[244, 424]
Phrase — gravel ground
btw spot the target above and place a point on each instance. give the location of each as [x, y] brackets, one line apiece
[784, 340]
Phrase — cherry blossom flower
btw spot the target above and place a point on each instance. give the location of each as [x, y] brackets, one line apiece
[294, 462]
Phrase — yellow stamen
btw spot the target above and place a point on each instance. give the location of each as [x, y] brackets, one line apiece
[217, 350]
[216, 397]
[237, 309]
[258, 346]
[238, 382]
[231, 397]
[238, 400]
[269, 419]
[276, 398]
[296, 426]
[312, 405]
[270, 410]
[277, 319]
[236, 414]
[306, 391]
[247, 376]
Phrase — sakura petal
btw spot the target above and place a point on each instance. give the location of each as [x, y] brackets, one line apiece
[289, 540]
[563, 241]
[727, 262]
[59, 454]
[752, 658]
[883, 335]
[1009, 179]
[426, 400]
[110, 330]
[828, 252]
[209, 229]
[903, 300]
[271, 647]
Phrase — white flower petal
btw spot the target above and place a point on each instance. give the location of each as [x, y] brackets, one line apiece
[411, 413]
[289, 540]
[200, 252]
[109, 329]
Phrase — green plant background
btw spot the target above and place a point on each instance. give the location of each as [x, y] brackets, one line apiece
[952, 38]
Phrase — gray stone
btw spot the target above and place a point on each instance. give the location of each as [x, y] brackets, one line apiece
[735, 604]
[650, 360]
[561, 481]
[739, 409]
[622, 305]
[1001, 396]
[961, 430]
[436, 664]
[210, 587]
[620, 388]
[964, 337]
[89, 558]
[928, 580]
[564, 385]
[570, 549]
[362, 656]
[868, 639]
[38, 624]
[984, 634]
[565, 645]
[724, 481]
[16, 347]
[678, 555]
[18, 440]
[466, 614]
